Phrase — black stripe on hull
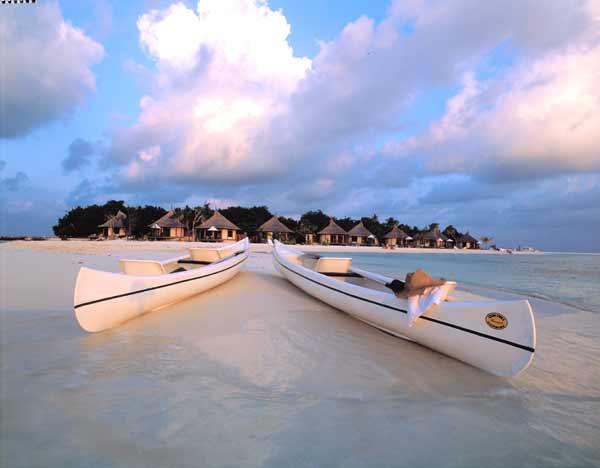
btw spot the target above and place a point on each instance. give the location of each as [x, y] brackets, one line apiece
[83, 304]
[424, 317]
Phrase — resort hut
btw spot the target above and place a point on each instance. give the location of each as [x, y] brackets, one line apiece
[396, 237]
[308, 231]
[432, 239]
[115, 226]
[310, 238]
[333, 234]
[168, 226]
[275, 229]
[467, 241]
[360, 235]
[218, 228]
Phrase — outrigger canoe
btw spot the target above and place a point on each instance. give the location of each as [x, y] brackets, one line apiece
[496, 336]
[103, 300]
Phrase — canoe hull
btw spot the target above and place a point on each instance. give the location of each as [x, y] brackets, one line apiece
[457, 329]
[103, 300]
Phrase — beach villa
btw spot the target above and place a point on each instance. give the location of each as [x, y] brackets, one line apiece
[168, 226]
[309, 232]
[467, 241]
[396, 237]
[433, 239]
[218, 228]
[310, 238]
[333, 234]
[116, 226]
[360, 235]
[275, 229]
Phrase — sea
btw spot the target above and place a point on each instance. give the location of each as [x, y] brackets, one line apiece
[572, 279]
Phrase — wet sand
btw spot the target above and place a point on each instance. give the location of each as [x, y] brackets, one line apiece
[256, 373]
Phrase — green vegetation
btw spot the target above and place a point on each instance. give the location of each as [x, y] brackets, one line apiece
[84, 221]
[247, 219]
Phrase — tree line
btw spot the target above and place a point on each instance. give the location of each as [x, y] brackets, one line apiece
[84, 221]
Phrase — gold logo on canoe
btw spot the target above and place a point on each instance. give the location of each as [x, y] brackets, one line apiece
[496, 320]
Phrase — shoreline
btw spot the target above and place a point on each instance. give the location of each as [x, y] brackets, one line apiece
[115, 249]
[113, 246]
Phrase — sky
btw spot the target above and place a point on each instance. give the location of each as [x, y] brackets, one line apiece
[483, 115]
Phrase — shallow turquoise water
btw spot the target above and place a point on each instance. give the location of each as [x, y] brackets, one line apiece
[572, 279]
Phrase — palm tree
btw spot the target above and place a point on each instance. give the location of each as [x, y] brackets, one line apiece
[486, 240]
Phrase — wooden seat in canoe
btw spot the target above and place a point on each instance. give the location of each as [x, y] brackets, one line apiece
[333, 265]
[206, 255]
[149, 267]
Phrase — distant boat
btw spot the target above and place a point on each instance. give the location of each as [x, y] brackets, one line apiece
[103, 300]
[496, 336]
[526, 249]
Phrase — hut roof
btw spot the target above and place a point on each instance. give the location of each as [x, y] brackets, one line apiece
[170, 220]
[219, 221]
[116, 221]
[274, 225]
[467, 238]
[332, 228]
[432, 235]
[360, 230]
[396, 233]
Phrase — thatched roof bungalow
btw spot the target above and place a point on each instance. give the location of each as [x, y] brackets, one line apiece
[218, 228]
[333, 234]
[467, 241]
[397, 237]
[275, 229]
[360, 235]
[168, 226]
[115, 226]
[310, 236]
[432, 239]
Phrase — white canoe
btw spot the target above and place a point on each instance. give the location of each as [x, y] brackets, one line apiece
[496, 336]
[103, 300]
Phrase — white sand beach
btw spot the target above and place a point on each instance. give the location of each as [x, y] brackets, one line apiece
[84, 246]
[257, 373]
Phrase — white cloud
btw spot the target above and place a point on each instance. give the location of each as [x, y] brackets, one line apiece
[542, 118]
[45, 70]
[223, 74]
[231, 102]
[172, 36]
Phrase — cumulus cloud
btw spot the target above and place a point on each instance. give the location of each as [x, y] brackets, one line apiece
[223, 72]
[45, 70]
[79, 154]
[230, 102]
[539, 120]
